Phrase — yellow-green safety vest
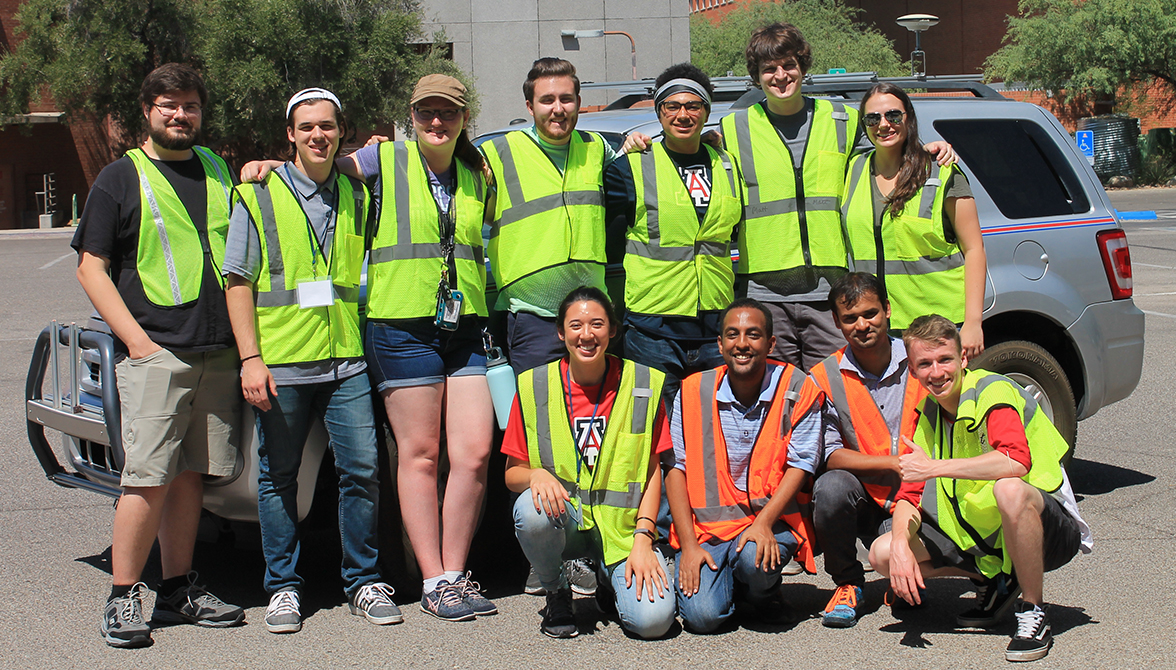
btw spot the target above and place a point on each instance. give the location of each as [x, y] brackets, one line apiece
[608, 497]
[791, 217]
[405, 266]
[167, 232]
[286, 332]
[964, 509]
[543, 218]
[923, 272]
[673, 264]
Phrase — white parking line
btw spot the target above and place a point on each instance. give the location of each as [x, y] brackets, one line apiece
[55, 262]
[1166, 316]
[1142, 295]
[1166, 213]
[1149, 265]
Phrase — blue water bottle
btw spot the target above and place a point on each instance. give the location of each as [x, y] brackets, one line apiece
[501, 378]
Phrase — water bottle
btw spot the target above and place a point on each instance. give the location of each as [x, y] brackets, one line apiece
[501, 378]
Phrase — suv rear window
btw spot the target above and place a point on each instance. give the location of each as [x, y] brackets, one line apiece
[1019, 165]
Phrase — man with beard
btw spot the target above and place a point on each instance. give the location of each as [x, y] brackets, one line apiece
[150, 243]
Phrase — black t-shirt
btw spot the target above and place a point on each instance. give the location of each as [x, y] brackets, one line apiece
[109, 227]
[621, 199]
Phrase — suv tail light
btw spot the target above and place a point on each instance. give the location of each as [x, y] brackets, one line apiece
[1116, 258]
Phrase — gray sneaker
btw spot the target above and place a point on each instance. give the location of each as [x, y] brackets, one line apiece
[194, 604]
[533, 587]
[373, 601]
[122, 620]
[471, 594]
[792, 568]
[581, 576]
[283, 614]
[445, 602]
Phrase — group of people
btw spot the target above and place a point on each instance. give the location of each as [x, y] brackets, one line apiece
[743, 431]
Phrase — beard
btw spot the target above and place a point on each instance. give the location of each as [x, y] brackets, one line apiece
[164, 139]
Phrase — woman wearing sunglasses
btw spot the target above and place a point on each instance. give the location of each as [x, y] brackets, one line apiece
[913, 223]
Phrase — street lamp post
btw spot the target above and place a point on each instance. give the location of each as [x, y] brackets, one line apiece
[581, 34]
[918, 24]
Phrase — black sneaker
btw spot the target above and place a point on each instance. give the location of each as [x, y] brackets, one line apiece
[194, 604]
[122, 620]
[558, 619]
[1033, 638]
[994, 598]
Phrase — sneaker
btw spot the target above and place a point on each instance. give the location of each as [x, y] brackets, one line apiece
[994, 598]
[558, 619]
[533, 587]
[841, 612]
[471, 595]
[283, 615]
[122, 620]
[1033, 637]
[193, 604]
[445, 602]
[374, 602]
[581, 576]
[792, 568]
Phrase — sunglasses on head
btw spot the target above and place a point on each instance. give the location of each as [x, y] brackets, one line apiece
[893, 117]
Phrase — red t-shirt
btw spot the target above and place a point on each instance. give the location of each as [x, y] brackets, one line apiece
[588, 430]
[1006, 434]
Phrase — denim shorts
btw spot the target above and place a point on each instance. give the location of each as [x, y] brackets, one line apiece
[418, 353]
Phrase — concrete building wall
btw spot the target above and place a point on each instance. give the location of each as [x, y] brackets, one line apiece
[497, 42]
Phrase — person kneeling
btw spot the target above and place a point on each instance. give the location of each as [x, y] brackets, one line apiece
[745, 437]
[582, 451]
[1000, 510]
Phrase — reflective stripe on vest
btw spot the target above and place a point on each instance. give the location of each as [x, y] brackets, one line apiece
[286, 332]
[544, 218]
[610, 495]
[167, 232]
[405, 264]
[721, 510]
[922, 271]
[675, 265]
[965, 510]
[863, 427]
[791, 217]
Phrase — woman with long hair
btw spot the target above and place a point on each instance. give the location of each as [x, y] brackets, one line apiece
[914, 224]
[583, 446]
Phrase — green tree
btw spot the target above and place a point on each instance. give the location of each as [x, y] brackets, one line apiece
[831, 28]
[92, 55]
[1090, 47]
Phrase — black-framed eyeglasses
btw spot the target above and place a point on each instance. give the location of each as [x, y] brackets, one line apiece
[672, 107]
[893, 117]
[447, 114]
[171, 108]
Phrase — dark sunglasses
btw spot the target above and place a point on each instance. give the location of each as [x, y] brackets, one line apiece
[893, 117]
[448, 114]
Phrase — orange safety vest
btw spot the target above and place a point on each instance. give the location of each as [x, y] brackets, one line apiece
[863, 428]
[721, 510]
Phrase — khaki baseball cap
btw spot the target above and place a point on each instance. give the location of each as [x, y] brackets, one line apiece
[442, 86]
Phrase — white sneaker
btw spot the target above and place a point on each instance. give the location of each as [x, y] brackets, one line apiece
[282, 615]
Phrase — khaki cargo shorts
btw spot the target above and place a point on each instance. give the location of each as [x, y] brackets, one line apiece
[180, 411]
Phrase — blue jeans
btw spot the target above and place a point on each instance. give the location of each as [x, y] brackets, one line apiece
[715, 601]
[346, 410]
[547, 543]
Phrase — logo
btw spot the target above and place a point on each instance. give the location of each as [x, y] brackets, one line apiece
[589, 434]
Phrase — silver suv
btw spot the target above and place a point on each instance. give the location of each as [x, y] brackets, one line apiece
[1058, 314]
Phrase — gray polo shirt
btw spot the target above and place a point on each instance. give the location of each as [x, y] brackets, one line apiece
[887, 390]
[243, 258]
[741, 426]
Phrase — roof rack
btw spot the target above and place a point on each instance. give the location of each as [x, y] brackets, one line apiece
[851, 85]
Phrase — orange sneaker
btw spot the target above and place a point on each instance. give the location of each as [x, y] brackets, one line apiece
[841, 612]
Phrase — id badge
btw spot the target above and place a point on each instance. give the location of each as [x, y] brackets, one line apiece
[317, 293]
[449, 311]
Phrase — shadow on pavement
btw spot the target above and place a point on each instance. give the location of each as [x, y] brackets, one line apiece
[1091, 478]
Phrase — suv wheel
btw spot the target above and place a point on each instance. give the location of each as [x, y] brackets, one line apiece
[1040, 373]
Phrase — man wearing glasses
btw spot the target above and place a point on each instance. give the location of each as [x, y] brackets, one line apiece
[150, 243]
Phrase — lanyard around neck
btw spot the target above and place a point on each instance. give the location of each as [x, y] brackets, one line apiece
[566, 383]
[316, 245]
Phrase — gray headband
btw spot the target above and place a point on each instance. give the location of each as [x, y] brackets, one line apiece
[679, 86]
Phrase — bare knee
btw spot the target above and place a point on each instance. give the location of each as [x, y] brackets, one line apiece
[880, 555]
[1014, 496]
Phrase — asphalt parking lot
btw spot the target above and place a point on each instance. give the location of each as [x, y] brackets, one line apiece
[1110, 609]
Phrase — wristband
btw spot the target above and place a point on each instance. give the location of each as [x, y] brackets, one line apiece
[645, 531]
[645, 518]
[249, 358]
